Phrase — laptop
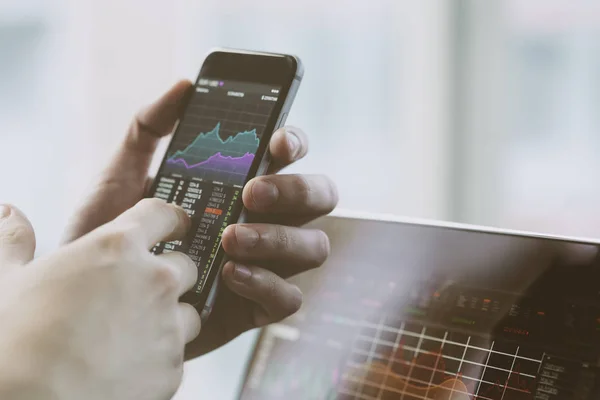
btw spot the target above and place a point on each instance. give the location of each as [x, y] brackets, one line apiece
[410, 309]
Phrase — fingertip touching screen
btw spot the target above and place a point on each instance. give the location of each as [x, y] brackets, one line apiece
[209, 159]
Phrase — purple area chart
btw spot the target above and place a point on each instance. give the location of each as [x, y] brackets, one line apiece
[212, 158]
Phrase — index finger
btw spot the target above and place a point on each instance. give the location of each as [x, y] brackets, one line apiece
[154, 221]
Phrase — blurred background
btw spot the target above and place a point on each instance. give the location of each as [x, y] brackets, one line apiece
[484, 112]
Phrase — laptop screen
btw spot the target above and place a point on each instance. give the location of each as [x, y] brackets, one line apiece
[408, 311]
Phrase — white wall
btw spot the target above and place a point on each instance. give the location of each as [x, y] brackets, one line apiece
[37, 93]
[529, 131]
[93, 64]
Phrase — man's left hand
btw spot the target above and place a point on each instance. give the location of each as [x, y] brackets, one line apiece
[267, 250]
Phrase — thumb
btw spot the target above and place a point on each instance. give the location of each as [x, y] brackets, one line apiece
[17, 239]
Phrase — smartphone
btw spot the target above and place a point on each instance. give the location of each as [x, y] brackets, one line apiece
[221, 142]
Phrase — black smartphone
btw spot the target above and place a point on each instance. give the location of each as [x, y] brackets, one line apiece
[220, 143]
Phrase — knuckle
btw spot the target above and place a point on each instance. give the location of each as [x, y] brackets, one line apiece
[272, 287]
[186, 262]
[153, 204]
[15, 234]
[167, 212]
[117, 242]
[166, 278]
[282, 241]
[303, 189]
[135, 135]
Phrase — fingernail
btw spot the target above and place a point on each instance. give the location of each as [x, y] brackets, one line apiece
[242, 274]
[246, 237]
[264, 193]
[293, 142]
[4, 211]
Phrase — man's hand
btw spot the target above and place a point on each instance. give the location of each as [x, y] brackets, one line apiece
[100, 318]
[123, 182]
[267, 250]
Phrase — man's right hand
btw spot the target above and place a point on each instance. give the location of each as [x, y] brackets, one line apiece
[99, 318]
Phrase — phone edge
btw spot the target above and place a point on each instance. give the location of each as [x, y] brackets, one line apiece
[262, 170]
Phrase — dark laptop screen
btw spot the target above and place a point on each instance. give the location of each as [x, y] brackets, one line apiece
[404, 311]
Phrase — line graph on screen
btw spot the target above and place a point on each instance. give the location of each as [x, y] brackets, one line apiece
[210, 157]
[435, 366]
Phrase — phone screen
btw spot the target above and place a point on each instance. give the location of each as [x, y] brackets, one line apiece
[209, 160]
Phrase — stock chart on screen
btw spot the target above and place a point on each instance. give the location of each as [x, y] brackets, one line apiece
[208, 161]
[410, 312]
[212, 158]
